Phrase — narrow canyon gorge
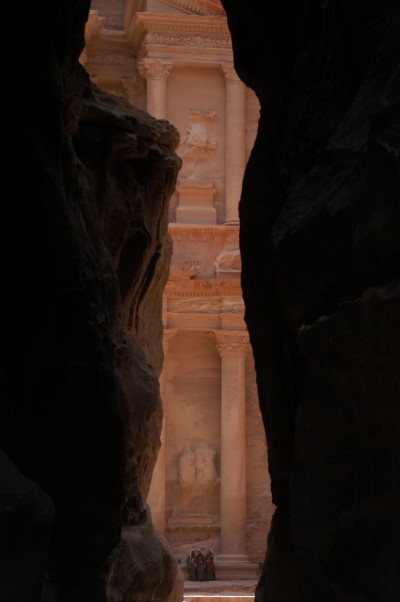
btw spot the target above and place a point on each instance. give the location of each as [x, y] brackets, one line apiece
[89, 184]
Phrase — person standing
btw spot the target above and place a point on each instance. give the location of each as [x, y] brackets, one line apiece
[191, 565]
[209, 566]
[200, 565]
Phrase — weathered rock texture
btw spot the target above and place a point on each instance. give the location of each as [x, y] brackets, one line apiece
[320, 243]
[84, 261]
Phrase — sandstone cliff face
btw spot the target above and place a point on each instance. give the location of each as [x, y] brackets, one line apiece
[84, 261]
[320, 243]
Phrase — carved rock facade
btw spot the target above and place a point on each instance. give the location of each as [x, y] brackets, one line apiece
[181, 54]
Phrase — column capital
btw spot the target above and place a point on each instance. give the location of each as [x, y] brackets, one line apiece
[232, 343]
[230, 73]
[154, 68]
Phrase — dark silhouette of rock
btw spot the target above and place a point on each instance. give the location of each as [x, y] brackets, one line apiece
[26, 518]
[84, 261]
[85, 252]
[320, 245]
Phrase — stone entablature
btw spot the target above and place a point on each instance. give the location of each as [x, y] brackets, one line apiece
[187, 39]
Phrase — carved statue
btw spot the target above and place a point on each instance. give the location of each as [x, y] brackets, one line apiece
[196, 143]
[196, 468]
[206, 473]
[187, 469]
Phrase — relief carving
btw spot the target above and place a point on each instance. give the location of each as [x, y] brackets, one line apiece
[196, 469]
[198, 140]
[229, 262]
[233, 304]
[188, 269]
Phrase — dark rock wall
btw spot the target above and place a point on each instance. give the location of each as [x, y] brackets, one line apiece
[85, 255]
[320, 243]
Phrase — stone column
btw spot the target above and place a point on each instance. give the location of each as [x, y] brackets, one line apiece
[156, 72]
[235, 156]
[156, 495]
[232, 347]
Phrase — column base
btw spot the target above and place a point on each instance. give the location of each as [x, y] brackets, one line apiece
[232, 222]
[235, 567]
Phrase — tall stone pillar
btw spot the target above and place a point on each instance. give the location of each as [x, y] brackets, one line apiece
[156, 495]
[156, 72]
[235, 157]
[232, 347]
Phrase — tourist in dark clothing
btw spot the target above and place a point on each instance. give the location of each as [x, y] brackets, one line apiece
[200, 565]
[191, 565]
[209, 566]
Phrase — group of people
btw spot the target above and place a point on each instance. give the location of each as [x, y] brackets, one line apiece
[201, 566]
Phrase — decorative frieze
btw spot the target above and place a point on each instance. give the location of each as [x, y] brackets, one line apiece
[158, 39]
[226, 289]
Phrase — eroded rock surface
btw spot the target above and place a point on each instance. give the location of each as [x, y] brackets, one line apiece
[84, 261]
[320, 232]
